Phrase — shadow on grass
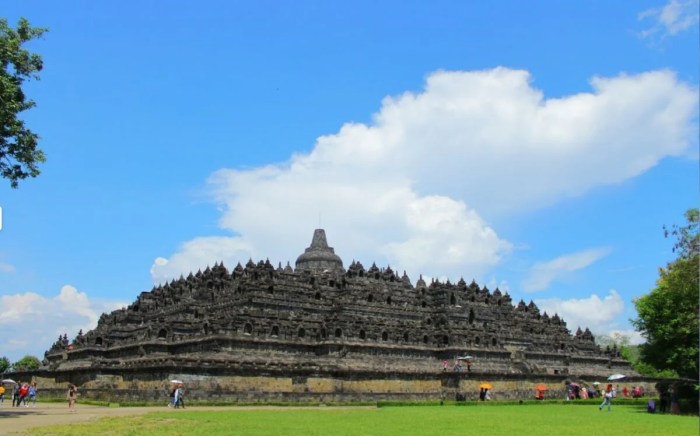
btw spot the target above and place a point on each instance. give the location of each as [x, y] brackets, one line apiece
[16, 412]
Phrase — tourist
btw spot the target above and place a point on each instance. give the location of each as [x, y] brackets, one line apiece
[469, 366]
[663, 400]
[625, 392]
[651, 406]
[2, 395]
[23, 393]
[590, 391]
[32, 394]
[445, 365]
[179, 394]
[15, 395]
[72, 396]
[584, 393]
[673, 398]
[173, 397]
[487, 395]
[482, 394]
[607, 398]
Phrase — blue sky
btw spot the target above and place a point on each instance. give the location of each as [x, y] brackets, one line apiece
[535, 146]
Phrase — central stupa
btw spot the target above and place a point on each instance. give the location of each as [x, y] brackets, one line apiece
[319, 257]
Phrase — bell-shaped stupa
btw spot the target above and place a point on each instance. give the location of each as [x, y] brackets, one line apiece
[319, 257]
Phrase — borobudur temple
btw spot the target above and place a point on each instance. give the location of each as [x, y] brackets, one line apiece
[320, 332]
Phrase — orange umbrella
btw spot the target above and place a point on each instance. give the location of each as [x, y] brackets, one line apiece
[486, 386]
[541, 387]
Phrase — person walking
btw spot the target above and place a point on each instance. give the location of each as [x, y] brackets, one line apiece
[180, 397]
[176, 397]
[23, 392]
[32, 394]
[171, 401]
[72, 397]
[15, 395]
[607, 398]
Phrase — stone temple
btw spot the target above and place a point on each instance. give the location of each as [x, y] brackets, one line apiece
[320, 332]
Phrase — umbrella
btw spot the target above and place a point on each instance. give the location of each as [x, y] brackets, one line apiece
[9, 380]
[177, 382]
[616, 377]
[486, 386]
[465, 358]
[596, 383]
[574, 385]
[541, 387]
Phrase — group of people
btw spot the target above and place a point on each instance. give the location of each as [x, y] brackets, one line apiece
[484, 394]
[577, 392]
[177, 397]
[636, 392]
[458, 365]
[22, 394]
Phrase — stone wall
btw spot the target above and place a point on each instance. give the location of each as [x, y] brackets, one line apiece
[346, 387]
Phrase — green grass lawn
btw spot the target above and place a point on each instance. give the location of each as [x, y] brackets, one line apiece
[492, 419]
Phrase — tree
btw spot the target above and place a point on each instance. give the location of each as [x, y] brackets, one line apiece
[19, 154]
[27, 363]
[4, 364]
[688, 244]
[668, 315]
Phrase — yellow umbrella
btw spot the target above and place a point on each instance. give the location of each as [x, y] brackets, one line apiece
[486, 386]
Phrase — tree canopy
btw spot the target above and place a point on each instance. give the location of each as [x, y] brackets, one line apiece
[19, 152]
[4, 364]
[27, 363]
[668, 315]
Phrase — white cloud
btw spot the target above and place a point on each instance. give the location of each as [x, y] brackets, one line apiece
[412, 188]
[635, 338]
[6, 268]
[198, 254]
[674, 17]
[601, 315]
[544, 273]
[31, 323]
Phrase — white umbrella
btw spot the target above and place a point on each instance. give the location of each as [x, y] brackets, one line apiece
[616, 377]
[176, 381]
[465, 358]
[9, 380]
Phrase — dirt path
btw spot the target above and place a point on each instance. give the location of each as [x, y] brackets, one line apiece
[17, 420]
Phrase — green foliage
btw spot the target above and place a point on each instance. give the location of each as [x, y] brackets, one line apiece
[4, 364]
[19, 154]
[688, 243]
[668, 315]
[27, 363]
[632, 354]
[520, 419]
